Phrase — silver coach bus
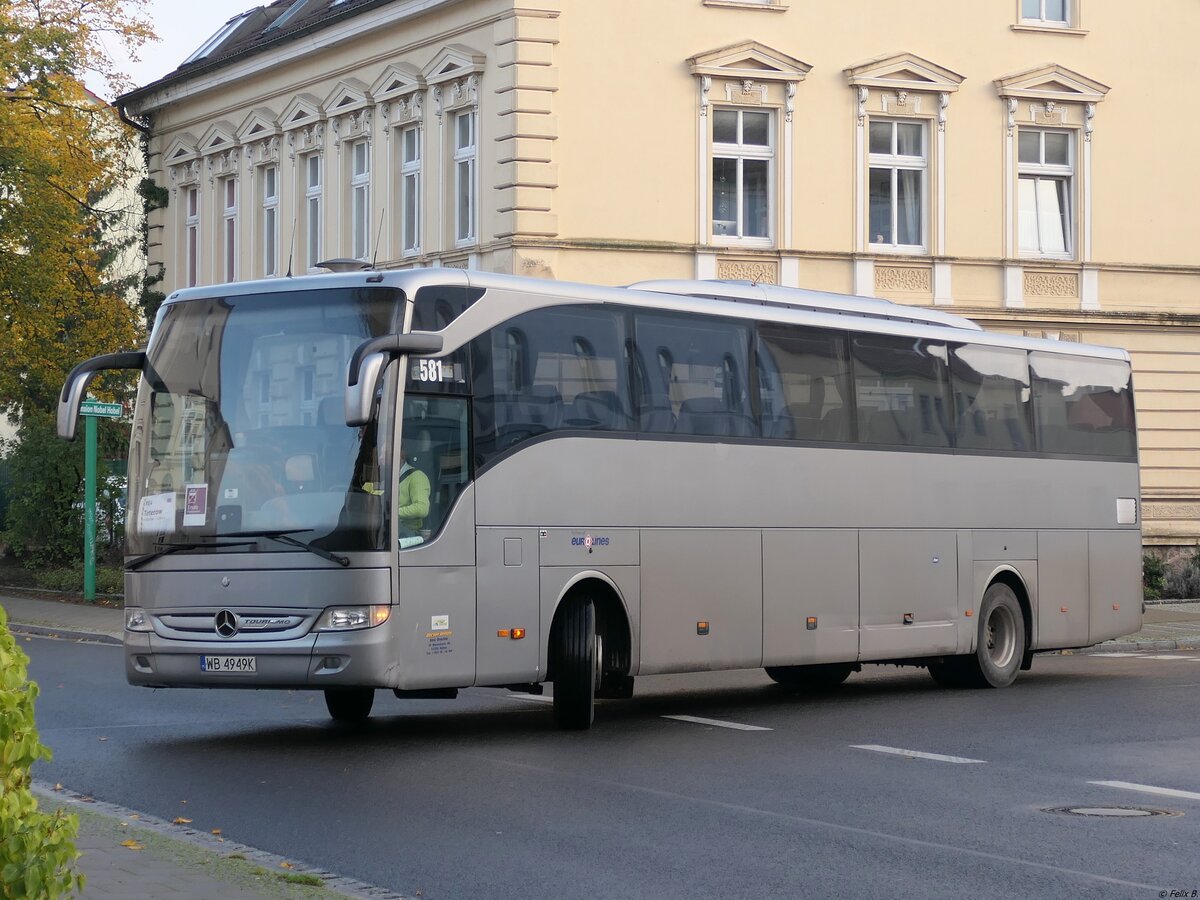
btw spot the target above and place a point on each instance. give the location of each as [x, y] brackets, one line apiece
[427, 480]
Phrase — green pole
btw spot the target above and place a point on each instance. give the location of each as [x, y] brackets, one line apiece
[89, 510]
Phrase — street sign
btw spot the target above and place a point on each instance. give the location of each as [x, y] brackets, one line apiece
[96, 408]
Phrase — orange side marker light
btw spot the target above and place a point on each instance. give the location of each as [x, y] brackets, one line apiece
[518, 633]
[503, 632]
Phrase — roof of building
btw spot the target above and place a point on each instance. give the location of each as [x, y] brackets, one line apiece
[256, 30]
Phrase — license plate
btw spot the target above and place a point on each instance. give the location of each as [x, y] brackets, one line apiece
[236, 665]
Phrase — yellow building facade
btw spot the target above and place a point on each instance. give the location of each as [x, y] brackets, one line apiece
[1025, 163]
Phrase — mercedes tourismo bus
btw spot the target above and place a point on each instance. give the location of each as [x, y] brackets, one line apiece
[426, 480]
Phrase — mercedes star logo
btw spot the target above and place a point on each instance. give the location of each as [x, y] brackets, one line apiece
[227, 623]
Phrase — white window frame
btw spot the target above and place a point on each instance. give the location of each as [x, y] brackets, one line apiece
[191, 235]
[1042, 172]
[229, 227]
[1041, 21]
[360, 199]
[313, 208]
[740, 153]
[410, 190]
[464, 171]
[269, 178]
[895, 162]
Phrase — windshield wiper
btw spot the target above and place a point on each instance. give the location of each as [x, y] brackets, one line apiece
[167, 548]
[285, 537]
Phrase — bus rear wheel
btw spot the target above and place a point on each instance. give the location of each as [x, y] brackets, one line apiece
[349, 706]
[576, 665]
[814, 678]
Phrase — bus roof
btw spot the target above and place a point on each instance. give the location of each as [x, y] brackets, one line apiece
[733, 298]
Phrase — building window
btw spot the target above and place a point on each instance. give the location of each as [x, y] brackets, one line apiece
[229, 228]
[312, 209]
[191, 225]
[410, 188]
[742, 156]
[1045, 172]
[898, 161]
[464, 177]
[270, 205]
[1046, 12]
[360, 199]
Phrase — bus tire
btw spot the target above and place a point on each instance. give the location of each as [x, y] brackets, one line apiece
[820, 677]
[576, 660]
[1001, 640]
[349, 706]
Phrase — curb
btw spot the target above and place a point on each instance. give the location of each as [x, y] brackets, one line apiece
[1140, 646]
[51, 631]
[341, 884]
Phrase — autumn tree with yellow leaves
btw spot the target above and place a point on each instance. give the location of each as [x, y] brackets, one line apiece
[63, 151]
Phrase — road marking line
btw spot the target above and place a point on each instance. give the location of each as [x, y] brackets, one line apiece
[1148, 789]
[1126, 655]
[536, 698]
[736, 726]
[896, 751]
[1167, 656]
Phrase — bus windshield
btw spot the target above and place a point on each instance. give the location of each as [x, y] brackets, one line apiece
[240, 430]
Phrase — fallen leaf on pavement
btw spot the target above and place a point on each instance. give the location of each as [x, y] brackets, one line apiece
[58, 787]
[134, 816]
[132, 844]
[286, 865]
[102, 739]
[180, 820]
[215, 831]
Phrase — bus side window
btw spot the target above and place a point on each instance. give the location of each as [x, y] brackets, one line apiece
[1083, 406]
[809, 376]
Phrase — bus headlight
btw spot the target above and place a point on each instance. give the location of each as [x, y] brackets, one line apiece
[136, 619]
[348, 618]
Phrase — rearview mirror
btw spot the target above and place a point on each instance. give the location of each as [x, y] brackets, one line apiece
[75, 387]
[367, 364]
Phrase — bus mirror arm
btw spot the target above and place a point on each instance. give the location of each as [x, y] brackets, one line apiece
[367, 364]
[75, 387]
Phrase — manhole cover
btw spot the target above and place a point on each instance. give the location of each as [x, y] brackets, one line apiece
[1117, 812]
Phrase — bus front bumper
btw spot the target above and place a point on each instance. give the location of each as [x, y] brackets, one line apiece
[359, 658]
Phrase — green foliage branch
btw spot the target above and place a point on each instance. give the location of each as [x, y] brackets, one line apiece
[37, 850]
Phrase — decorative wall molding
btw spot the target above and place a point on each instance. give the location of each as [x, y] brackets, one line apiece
[1160, 509]
[1051, 284]
[905, 279]
[758, 271]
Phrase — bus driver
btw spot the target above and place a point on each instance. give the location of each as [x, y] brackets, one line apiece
[412, 494]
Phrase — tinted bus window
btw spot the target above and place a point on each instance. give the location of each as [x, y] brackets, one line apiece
[991, 398]
[550, 370]
[695, 374]
[1083, 406]
[900, 388]
[436, 306]
[804, 383]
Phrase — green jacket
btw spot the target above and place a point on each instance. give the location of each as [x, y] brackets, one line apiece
[412, 498]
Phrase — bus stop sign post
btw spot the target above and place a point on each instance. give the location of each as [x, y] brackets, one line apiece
[91, 410]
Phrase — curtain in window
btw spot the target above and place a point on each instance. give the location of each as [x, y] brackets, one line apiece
[908, 198]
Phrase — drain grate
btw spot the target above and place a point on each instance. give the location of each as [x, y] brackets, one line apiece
[1112, 812]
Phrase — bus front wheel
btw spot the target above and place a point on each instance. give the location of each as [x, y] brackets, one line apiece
[999, 645]
[349, 705]
[814, 678]
[576, 665]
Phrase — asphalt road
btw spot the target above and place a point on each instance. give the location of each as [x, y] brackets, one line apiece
[482, 797]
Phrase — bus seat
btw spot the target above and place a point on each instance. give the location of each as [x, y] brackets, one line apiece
[710, 416]
[539, 405]
[598, 409]
[300, 472]
[884, 427]
[835, 425]
[656, 417]
[804, 423]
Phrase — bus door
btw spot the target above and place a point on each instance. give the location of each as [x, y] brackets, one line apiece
[508, 606]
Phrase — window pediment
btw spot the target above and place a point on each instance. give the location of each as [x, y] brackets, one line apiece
[181, 150]
[397, 80]
[453, 62]
[1053, 82]
[347, 96]
[749, 60]
[305, 109]
[219, 137]
[904, 72]
[260, 124]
